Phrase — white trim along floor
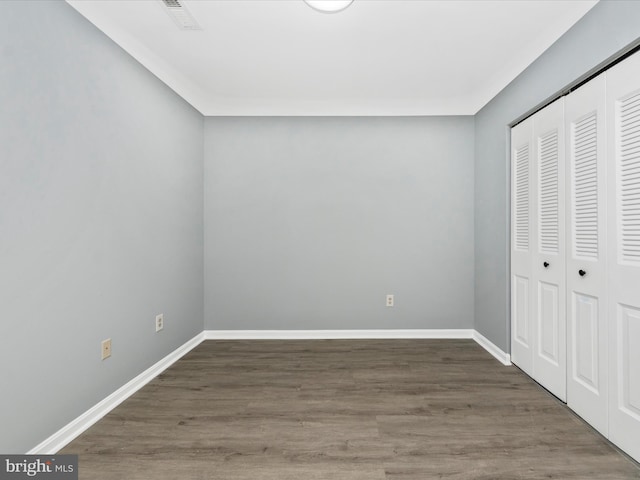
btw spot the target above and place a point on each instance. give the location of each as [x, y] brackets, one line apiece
[72, 430]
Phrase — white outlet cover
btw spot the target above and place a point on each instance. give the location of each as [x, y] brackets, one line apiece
[390, 300]
[159, 322]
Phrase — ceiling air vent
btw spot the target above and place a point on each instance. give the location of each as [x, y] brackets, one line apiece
[180, 15]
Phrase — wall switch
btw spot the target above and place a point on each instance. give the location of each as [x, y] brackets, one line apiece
[159, 322]
[106, 348]
[389, 300]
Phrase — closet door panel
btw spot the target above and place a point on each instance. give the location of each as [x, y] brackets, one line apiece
[623, 103]
[548, 250]
[586, 253]
[521, 226]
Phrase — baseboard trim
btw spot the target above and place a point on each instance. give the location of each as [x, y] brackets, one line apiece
[335, 334]
[483, 341]
[491, 347]
[73, 429]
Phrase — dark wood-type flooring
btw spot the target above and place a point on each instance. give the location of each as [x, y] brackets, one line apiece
[344, 409]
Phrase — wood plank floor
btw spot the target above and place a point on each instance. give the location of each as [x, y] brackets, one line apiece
[344, 409]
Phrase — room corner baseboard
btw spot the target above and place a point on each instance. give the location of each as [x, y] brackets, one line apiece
[335, 334]
[490, 347]
[66, 434]
[485, 343]
[73, 429]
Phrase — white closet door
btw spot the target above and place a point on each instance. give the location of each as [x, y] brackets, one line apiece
[623, 126]
[586, 253]
[521, 226]
[548, 250]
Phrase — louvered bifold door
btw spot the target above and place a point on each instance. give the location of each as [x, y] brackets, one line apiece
[521, 244]
[586, 253]
[623, 130]
[548, 250]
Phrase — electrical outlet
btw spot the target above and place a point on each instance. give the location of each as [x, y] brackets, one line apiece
[389, 300]
[159, 322]
[106, 348]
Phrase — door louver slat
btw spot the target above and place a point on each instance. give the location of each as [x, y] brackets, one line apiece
[522, 198]
[629, 177]
[548, 194]
[585, 187]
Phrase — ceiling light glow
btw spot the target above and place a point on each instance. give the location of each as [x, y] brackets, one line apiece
[328, 6]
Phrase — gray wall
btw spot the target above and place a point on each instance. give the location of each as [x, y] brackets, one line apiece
[607, 28]
[310, 222]
[101, 201]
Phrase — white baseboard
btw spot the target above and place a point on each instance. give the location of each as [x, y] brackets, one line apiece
[485, 343]
[334, 334]
[490, 347]
[72, 430]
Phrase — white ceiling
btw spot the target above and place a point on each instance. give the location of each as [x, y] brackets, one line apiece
[377, 57]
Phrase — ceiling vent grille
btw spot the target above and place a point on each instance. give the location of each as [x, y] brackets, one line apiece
[180, 15]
